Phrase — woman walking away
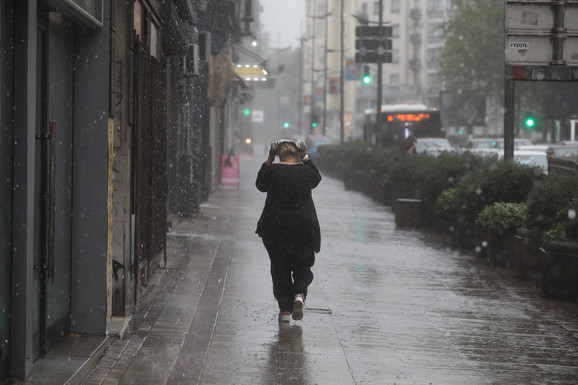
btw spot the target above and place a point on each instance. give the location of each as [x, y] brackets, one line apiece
[288, 225]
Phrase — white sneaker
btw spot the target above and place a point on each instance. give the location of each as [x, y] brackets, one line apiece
[284, 317]
[298, 308]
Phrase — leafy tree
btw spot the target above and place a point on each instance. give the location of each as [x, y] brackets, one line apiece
[472, 59]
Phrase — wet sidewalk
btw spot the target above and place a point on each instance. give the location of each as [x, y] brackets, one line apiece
[387, 306]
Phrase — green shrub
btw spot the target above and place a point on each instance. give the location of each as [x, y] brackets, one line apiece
[565, 228]
[498, 182]
[502, 217]
[447, 207]
[548, 198]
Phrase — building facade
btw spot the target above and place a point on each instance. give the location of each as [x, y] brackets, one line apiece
[107, 129]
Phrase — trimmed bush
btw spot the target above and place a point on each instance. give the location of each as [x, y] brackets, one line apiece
[502, 217]
[498, 182]
[548, 198]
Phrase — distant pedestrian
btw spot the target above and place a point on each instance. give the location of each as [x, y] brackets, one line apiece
[407, 147]
[288, 225]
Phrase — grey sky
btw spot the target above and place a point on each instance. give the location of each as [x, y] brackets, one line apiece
[283, 20]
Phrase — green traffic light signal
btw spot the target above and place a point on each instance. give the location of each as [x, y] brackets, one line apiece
[246, 112]
[314, 124]
[366, 78]
[530, 122]
[286, 124]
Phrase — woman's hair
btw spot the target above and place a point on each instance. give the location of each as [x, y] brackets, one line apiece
[288, 150]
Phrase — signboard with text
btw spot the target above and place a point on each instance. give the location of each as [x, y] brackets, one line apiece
[533, 36]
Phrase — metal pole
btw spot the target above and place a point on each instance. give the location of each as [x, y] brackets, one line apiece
[509, 102]
[559, 32]
[379, 80]
[341, 79]
[312, 103]
[325, 73]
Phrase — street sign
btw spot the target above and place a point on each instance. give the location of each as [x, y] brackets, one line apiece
[374, 57]
[258, 116]
[535, 35]
[373, 31]
[538, 50]
[373, 44]
[529, 17]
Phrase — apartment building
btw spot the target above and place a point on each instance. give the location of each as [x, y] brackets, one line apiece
[411, 78]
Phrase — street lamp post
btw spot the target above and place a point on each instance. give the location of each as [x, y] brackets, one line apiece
[341, 79]
[325, 73]
[312, 101]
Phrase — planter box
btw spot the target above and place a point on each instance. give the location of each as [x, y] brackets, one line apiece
[408, 212]
[525, 256]
[499, 250]
[559, 278]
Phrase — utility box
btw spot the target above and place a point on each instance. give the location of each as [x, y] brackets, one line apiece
[408, 212]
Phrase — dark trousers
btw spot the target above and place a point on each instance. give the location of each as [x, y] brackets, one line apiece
[290, 271]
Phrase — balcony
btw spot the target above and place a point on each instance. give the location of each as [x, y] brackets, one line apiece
[415, 38]
[415, 64]
[415, 14]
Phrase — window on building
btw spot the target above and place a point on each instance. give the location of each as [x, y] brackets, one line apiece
[376, 7]
[432, 55]
[436, 5]
[395, 30]
[396, 55]
[395, 5]
[433, 80]
[394, 80]
[320, 8]
[435, 30]
[154, 41]
[364, 8]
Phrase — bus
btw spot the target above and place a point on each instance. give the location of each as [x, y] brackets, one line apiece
[398, 121]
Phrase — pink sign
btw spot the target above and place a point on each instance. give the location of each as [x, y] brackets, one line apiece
[230, 171]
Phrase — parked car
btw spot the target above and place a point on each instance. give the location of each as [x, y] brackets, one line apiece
[314, 142]
[480, 143]
[563, 151]
[433, 146]
[518, 142]
[532, 158]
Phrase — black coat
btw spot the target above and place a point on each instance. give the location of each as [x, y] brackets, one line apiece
[289, 214]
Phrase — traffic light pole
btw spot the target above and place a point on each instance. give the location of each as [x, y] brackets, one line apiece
[379, 79]
[509, 123]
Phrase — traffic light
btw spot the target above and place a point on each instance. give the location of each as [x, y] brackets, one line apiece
[366, 77]
[373, 44]
[246, 112]
[314, 120]
[529, 121]
[286, 124]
